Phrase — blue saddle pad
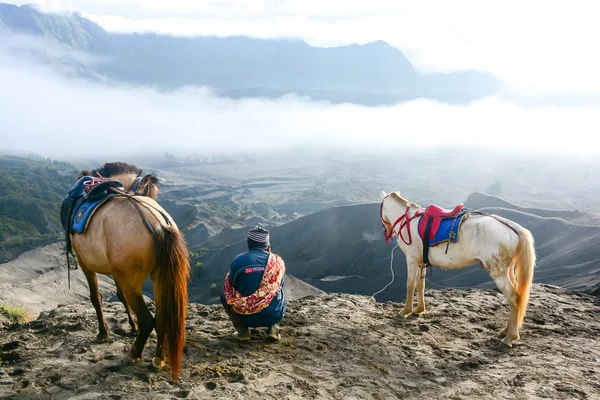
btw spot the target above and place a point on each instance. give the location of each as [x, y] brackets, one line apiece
[84, 212]
[448, 230]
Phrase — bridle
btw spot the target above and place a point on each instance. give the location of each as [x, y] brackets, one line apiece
[136, 183]
[404, 221]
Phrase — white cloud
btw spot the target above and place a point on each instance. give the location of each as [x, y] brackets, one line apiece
[48, 113]
[535, 45]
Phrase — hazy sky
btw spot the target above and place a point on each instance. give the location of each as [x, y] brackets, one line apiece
[542, 46]
[49, 112]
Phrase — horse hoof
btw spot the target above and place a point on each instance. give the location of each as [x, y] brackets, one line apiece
[158, 363]
[136, 360]
[508, 341]
[419, 312]
[405, 313]
[102, 337]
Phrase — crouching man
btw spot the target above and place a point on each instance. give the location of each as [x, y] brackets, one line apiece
[253, 291]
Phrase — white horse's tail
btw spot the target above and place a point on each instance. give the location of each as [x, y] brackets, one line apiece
[523, 261]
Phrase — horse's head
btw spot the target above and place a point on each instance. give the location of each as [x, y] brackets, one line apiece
[146, 186]
[390, 210]
[387, 226]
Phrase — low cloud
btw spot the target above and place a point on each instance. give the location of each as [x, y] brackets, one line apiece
[44, 111]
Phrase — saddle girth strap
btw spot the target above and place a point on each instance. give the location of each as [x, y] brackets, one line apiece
[135, 202]
[426, 241]
[142, 216]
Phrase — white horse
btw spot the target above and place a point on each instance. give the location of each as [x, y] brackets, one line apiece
[503, 247]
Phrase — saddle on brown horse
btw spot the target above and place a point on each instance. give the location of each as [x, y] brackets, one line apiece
[83, 199]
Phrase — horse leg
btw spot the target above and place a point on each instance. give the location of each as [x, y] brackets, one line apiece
[513, 281]
[412, 270]
[130, 316]
[510, 333]
[135, 299]
[96, 299]
[420, 293]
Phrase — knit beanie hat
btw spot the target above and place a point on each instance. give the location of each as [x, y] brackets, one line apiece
[258, 237]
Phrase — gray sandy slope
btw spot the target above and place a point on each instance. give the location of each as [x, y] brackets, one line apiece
[37, 281]
[334, 346]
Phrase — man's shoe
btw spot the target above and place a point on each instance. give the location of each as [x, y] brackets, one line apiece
[243, 334]
[273, 332]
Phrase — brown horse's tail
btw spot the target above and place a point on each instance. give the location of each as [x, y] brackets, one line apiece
[171, 272]
[523, 261]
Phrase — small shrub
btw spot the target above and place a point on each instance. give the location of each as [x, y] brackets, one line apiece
[15, 314]
[198, 269]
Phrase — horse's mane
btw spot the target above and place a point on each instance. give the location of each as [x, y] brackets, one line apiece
[111, 169]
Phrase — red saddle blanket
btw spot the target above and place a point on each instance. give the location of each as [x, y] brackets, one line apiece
[437, 214]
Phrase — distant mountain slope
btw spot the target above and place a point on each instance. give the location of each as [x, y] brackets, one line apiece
[37, 281]
[370, 74]
[484, 201]
[342, 250]
[31, 192]
[70, 29]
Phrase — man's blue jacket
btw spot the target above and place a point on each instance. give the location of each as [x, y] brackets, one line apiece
[245, 274]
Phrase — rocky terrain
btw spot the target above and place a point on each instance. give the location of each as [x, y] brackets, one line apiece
[334, 346]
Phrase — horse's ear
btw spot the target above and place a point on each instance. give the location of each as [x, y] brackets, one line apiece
[148, 179]
[382, 195]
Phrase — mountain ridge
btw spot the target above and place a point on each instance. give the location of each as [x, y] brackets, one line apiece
[238, 67]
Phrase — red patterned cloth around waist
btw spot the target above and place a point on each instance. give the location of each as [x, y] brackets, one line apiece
[267, 290]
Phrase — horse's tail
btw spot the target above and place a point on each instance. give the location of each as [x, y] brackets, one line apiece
[523, 261]
[172, 271]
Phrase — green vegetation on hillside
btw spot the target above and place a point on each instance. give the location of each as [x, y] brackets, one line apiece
[31, 193]
[15, 314]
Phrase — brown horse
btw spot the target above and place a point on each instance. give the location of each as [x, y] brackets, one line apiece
[118, 242]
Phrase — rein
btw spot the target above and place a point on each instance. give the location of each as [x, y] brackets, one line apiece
[404, 221]
[497, 218]
[89, 185]
[135, 202]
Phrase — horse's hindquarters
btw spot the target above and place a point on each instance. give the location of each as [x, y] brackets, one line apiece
[116, 240]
